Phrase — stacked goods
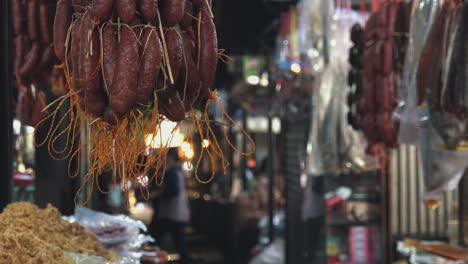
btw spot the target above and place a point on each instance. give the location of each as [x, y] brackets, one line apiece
[32, 235]
[131, 65]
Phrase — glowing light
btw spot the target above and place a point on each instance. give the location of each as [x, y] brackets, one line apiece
[21, 168]
[187, 166]
[16, 127]
[189, 154]
[205, 143]
[143, 180]
[253, 80]
[186, 151]
[140, 206]
[132, 200]
[185, 146]
[168, 136]
[29, 129]
[264, 80]
[296, 68]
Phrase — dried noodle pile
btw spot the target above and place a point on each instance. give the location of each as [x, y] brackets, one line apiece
[29, 234]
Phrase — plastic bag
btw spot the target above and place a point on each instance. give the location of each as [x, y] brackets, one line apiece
[333, 145]
[442, 168]
[110, 229]
[407, 112]
[85, 259]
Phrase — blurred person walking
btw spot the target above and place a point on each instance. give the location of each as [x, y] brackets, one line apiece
[171, 206]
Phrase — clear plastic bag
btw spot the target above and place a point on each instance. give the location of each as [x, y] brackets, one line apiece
[85, 259]
[110, 229]
[407, 112]
[333, 145]
[442, 168]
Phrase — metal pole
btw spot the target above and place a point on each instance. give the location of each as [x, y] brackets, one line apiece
[271, 176]
[6, 115]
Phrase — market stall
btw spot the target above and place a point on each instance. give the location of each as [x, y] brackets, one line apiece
[276, 131]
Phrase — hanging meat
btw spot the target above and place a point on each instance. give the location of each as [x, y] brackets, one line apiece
[132, 66]
[33, 55]
[140, 62]
[442, 73]
[385, 42]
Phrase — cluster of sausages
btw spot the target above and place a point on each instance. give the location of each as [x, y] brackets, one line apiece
[355, 74]
[442, 74]
[385, 42]
[126, 55]
[33, 58]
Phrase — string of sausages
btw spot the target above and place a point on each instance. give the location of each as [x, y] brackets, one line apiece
[125, 55]
[384, 46]
[33, 57]
[131, 65]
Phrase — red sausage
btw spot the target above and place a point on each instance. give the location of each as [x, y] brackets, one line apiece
[102, 9]
[207, 59]
[37, 111]
[17, 9]
[188, 84]
[19, 52]
[109, 56]
[137, 27]
[187, 24]
[392, 16]
[80, 5]
[77, 34]
[33, 6]
[95, 103]
[32, 60]
[187, 20]
[92, 77]
[172, 11]
[24, 104]
[429, 67]
[387, 57]
[387, 128]
[169, 102]
[123, 91]
[109, 116]
[126, 10]
[150, 65]
[47, 58]
[45, 24]
[384, 93]
[63, 19]
[147, 9]
[174, 51]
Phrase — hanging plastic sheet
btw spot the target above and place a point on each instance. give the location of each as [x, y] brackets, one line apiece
[408, 113]
[442, 168]
[333, 145]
